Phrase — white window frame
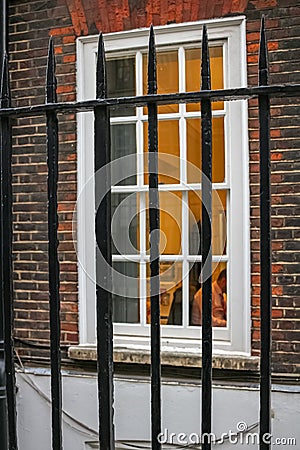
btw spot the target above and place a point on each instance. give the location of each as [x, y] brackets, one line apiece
[231, 32]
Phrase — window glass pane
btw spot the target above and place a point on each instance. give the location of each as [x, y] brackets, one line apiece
[123, 143]
[125, 223]
[194, 150]
[193, 70]
[195, 219]
[121, 83]
[170, 293]
[218, 222]
[170, 223]
[168, 152]
[126, 306]
[219, 295]
[167, 77]
[219, 207]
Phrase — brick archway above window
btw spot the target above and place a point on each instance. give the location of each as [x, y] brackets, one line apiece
[91, 16]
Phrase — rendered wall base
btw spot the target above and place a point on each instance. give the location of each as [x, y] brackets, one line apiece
[233, 406]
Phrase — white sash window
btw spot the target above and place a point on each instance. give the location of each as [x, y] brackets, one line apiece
[179, 127]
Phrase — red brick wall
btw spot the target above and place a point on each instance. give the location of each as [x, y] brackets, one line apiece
[283, 37]
[31, 24]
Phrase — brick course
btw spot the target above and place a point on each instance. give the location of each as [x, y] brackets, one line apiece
[31, 23]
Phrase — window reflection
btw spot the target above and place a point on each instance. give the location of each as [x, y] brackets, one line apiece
[126, 306]
[123, 143]
[167, 78]
[125, 224]
[219, 299]
[219, 206]
[121, 83]
[170, 223]
[193, 70]
[168, 152]
[170, 293]
[194, 150]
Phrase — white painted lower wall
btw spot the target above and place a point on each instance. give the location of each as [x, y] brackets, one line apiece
[232, 405]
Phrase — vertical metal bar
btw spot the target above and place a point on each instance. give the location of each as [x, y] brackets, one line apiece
[4, 31]
[206, 128]
[104, 260]
[265, 246]
[3, 397]
[54, 300]
[154, 218]
[6, 244]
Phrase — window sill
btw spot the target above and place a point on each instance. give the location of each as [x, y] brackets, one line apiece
[169, 357]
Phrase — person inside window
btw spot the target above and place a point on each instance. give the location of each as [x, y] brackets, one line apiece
[218, 303]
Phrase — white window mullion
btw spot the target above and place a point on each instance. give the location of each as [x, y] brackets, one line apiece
[142, 281]
[226, 112]
[139, 73]
[181, 68]
[140, 182]
[139, 125]
[143, 293]
[185, 264]
[182, 122]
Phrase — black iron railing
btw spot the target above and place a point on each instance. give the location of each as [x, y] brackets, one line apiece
[154, 248]
[101, 107]
[103, 266]
[54, 303]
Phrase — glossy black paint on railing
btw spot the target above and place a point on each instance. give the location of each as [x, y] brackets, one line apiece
[103, 265]
[206, 236]
[154, 223]
[103, 236]
[54, 299]
[265, 246]
[276, 90]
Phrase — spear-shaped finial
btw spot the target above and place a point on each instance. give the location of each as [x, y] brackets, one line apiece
[152, 82]
[5, 98]
[51, 83]
[101, 81]
[205, 64]
[263, 69]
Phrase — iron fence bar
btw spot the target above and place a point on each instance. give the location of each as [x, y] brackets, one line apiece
[3, 401]
[3, 396]
[4, 31]
[160, 99]
[6, 242]
[206, 264]
[265, 246]
[54, 300]
[154, 219]
[103, 259]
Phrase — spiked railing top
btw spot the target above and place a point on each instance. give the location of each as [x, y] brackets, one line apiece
[101, 78]
[152, 82]
[5, 88]
[263, 56]
[51, 84]
[205, 63]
